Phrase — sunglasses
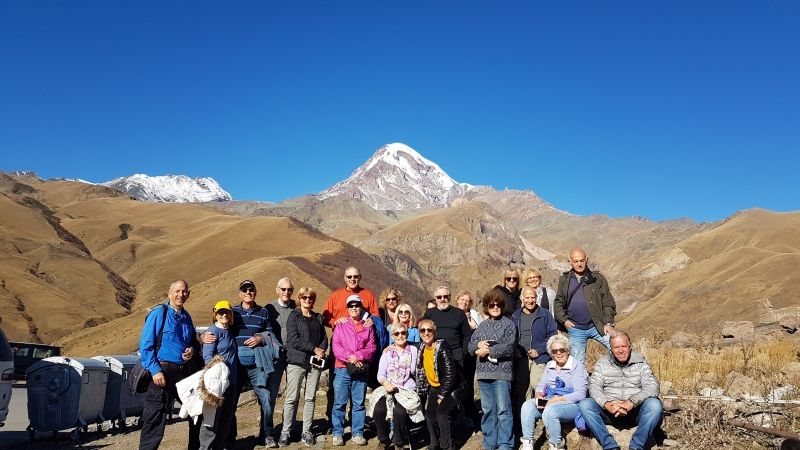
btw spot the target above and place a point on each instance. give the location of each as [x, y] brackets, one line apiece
[223, 312]
[391, 299]
[426, 330]
[400, 333]
[352, 277]
[494, 305]
[246, 290]
[559, 350]
[512, 278]
[286, 289]
[307, 297]
[353, 306]
[404, 312]
[440, 297]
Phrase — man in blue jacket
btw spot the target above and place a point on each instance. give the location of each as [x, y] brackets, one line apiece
[535, 325]
[167, 363]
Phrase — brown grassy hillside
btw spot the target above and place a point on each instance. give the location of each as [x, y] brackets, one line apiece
[76, 256]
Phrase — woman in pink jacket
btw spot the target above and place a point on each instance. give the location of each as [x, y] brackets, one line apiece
[353, 347]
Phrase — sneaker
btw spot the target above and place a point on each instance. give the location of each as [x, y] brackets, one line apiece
[338, 440]
[309, 439]
[269, 442]
[359, 440]
[283, 441]
[560, 446]
[526, 444]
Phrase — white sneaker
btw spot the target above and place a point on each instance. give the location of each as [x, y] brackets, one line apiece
[560, 446]
[526, 444]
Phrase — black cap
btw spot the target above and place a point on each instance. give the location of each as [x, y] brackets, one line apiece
[246, 283]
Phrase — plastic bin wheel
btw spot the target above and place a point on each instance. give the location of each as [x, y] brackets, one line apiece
[76, 434]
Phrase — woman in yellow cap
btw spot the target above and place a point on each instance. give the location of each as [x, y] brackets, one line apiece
[225, 346]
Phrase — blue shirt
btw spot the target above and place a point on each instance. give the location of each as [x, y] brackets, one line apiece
[578, 310]
[179, 334]
[225, 346]
[246, 324]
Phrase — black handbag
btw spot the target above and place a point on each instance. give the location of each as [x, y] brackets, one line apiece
[139, 377]
[353, 369]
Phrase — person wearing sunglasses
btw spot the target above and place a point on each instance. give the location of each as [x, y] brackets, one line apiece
[439, 381]
[215, 435]
[396, 371]
[558, 392]
[406, 317]
[493, 343]
[509, 288]
[336, 313]
[252, 330]
[390, 299]
[451, 324]
[534, 325]
[306, 339]
[353, 344]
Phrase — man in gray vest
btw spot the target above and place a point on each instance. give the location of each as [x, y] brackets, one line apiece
[278, 312]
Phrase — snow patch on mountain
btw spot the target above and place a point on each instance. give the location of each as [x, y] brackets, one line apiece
[170, 188]
[398, 178]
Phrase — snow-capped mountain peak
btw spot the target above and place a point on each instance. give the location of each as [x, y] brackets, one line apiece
[169, 188]
[397, 177]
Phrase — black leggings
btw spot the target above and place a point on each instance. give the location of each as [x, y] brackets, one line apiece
[399, 419]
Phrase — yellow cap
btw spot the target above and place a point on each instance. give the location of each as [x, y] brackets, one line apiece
[222, 304]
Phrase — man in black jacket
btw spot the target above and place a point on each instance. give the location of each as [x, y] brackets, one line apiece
[584, 305]
[451, 324]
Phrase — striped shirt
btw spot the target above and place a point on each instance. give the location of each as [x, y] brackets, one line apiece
[246, 324]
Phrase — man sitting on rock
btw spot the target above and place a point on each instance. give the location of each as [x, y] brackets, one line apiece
[623, 391]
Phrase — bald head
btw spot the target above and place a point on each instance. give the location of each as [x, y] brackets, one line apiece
[578, 260]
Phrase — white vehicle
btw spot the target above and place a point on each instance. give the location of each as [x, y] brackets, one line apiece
[6, 376]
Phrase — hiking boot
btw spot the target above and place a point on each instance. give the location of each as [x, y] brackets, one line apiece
[359, 440]
[560, 446]
[283, 441]
[338, 441]
[309, 439]
[269, 442]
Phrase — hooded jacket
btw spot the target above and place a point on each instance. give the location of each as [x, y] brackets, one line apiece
[202, 392]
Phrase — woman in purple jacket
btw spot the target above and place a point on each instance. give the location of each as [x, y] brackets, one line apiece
[354, 343]
[561, 387]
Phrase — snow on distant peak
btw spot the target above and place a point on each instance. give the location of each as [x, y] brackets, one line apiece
[169, 188]
[397, 177]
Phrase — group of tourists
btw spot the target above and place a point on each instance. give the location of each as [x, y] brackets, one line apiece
[524, 344]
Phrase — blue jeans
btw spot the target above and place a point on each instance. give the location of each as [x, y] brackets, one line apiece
[273, 385]
[354, 388]
[646, 417]
[262, 394]
[497, 422]
[578, 339]
[552, 416]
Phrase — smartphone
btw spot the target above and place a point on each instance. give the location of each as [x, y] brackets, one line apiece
[541, 402]
[317, 362]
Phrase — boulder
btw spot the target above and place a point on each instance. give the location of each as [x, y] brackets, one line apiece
[792, 373]
[741, 329]
[738, 385]
[790, 323]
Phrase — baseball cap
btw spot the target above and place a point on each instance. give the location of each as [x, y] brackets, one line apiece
[246, 283]
[354, 299]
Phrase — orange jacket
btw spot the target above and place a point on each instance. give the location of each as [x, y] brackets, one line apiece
[336, 307]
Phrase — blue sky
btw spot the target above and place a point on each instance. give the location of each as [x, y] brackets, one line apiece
[657, 109]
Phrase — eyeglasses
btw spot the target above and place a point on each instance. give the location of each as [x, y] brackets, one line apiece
[246, 290]
[556, 351]
[353, 306]
[440, 297]
[494, 305]
[286, 289]
[426, 330]
[352, 277]
[307, 297]
[404, 312]
[511, 278]
[391, 299]
[400, 333]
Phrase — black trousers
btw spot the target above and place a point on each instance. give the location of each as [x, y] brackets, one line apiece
[469, 391]
[437, 417]
[157, 405]
[401, 434]
[519, 387]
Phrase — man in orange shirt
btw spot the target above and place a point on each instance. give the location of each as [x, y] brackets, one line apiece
[336, 312]
[336, 307]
